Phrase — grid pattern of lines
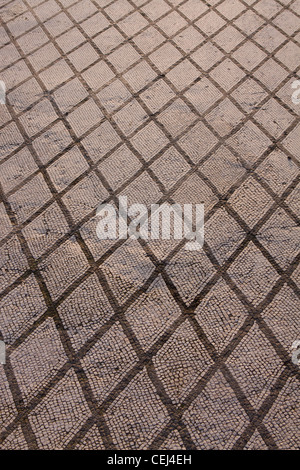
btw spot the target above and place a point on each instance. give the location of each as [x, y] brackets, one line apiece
[136, 344]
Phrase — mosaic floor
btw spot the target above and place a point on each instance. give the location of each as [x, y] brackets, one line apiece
[141, 344]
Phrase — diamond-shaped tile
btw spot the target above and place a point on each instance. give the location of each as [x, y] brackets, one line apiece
[192, 9]
[63, 266]
[21, 201]
[69, 40]
[118, 9]
[143, 190]
[227, 74]
[127, 269]
[250, 142]
[282, 316]
[249, 94]
[249, 55]
[138, 403]
[119, 167]
[16, 169]
[101, 141]
[155, 9]
[285, 430]
[83, 57]
[133, 23]
[183, 74]
[96, 246]
[250, 201]
[198, 142]
[58, 25]
[60, 415]
[38, 359]
[223, 235]
[153, 313]
[231, 9]
[270, 74]
[85, 311]
[26, 304]
[289, 55]
[82, 11]
[269, 38]
[249, 22]
[294, 199]
[139, 76]
[15, 74]
[149, 141]
[34, 39]
[52, 142]
[171, 23]
[291, 142]
[274, 118]
[221, 315]
[157, 95]
[203, 95]
[38, 117]
[129, 118]
[181, 362]
[114, 95]
[123, 57]
[84, 197]
[207, 56]
[190, 271]
[215, 419]
[267, 8]
[253, 274]
[277, 171]
[69, 95]
[224, 117]
[98, 75]
[56, 74]
[188, 39]
[287, 21]
[22, 24]
[255, 357]
[84, 117]
[108, 362]
[223, 169]
[148, 39]
[170, 167]
[280, 236]
[177, 117]
[25, 95]
[46, 229]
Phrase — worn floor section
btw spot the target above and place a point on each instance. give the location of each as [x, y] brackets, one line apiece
[141, 344]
